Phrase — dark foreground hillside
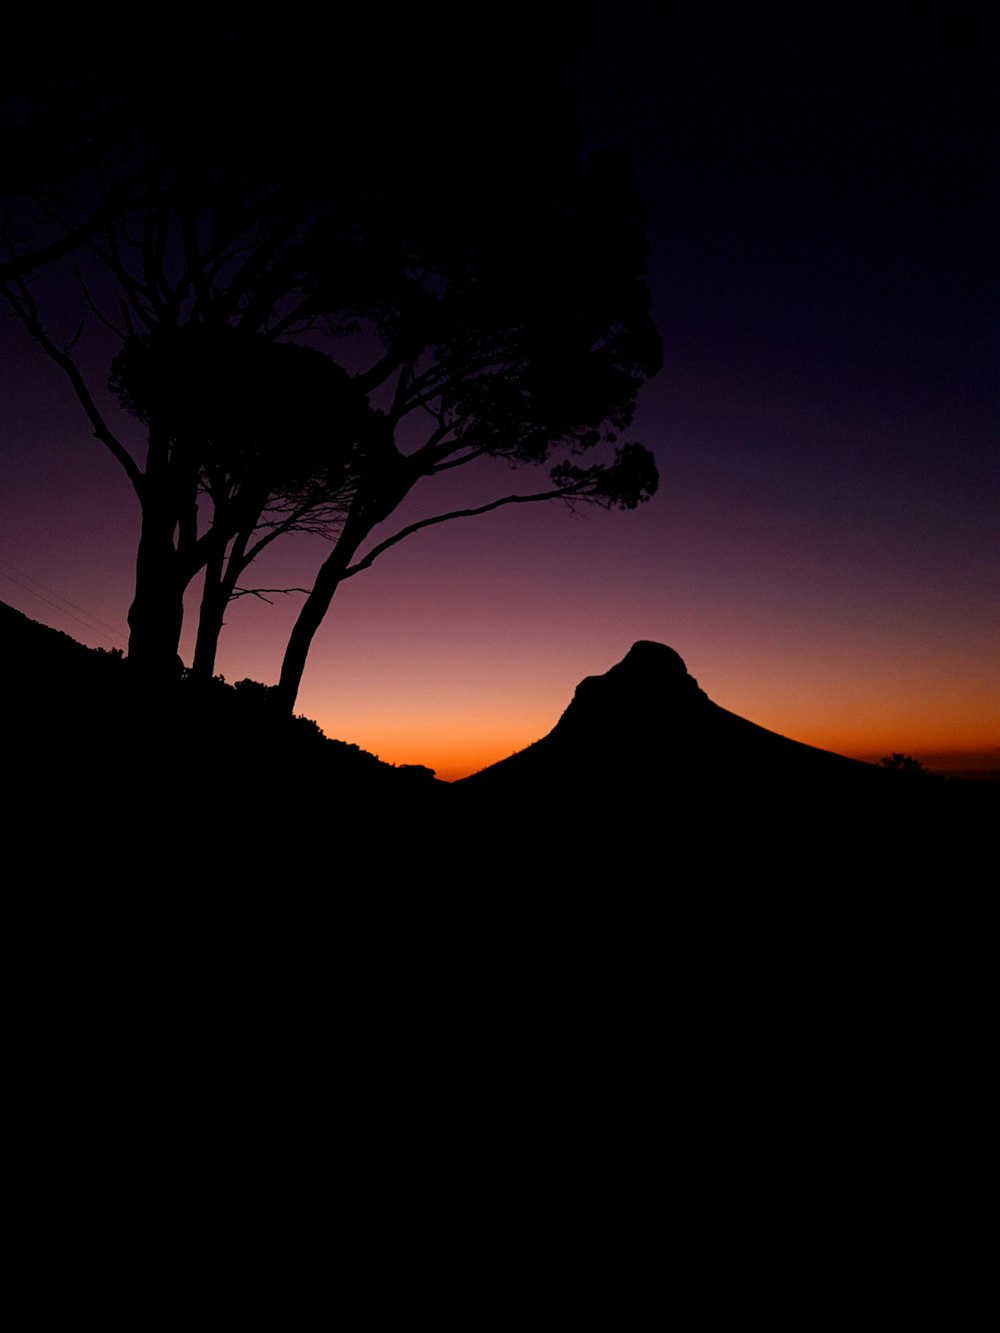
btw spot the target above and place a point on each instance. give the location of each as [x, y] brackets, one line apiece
[89, 747]
[660, 919]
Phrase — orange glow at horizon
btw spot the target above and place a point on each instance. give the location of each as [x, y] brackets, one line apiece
[456, 754]
[453, 746]
[955, 734]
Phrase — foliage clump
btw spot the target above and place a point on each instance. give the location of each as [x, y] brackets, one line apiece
[904, 763]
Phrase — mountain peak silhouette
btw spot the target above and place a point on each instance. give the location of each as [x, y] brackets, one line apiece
[650, 675]
[646, 725]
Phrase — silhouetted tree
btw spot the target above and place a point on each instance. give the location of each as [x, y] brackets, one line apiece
[519, 326]
[270, 435]
[486, 285]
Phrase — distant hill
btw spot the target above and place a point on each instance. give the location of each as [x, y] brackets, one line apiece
[642, 747]
[643, 741]
[782, 885]
[645, 725]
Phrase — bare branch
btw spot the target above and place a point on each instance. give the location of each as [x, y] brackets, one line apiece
[126, 316]
[153, 248]
[260, 256]
[294, 520]
[293, 321]
[563, 493]
[195, 261]
[259, 592]
[399, 405]
[376, 375]
[24, 307]
[457, 462]
[438, 446]
[90, 304]
[20, 266]
[75, 339]
[136, 291]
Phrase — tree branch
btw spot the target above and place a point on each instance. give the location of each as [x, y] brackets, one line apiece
[287, 322]
[24, 307]
[399, 407]
[377, 374]
[20, 266]
[260, 255]
[90, 304]
[563, 493]
[136, 291]
[259, 592]
[279, 528]
[457, 462]
[195, 260]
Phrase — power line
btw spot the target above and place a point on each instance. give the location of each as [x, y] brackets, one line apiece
[106, 631]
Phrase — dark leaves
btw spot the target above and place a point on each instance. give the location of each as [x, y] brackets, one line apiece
[623, 484]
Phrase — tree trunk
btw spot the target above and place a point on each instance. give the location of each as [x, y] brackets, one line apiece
[310, 618]
[222, 573]
[316, 605]
[214, 600]
[157, 611]
[370, 508]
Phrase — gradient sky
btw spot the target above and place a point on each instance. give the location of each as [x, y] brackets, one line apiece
[823, 548]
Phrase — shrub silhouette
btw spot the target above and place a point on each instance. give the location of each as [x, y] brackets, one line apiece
[903, 763]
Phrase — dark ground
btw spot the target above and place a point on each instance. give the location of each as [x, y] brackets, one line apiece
[575, 986]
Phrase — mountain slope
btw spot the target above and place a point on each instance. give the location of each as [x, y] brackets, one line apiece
[646, 721]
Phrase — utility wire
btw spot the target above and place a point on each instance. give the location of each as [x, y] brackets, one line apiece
[106, 631]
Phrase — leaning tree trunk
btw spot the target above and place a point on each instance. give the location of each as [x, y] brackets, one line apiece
[314, 608]
[370, 508]
[222, 574]
[310, 618]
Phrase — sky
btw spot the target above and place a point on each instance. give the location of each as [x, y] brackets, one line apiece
[823, 549]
